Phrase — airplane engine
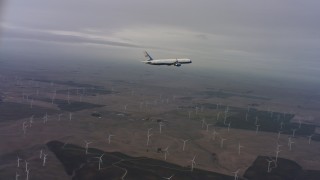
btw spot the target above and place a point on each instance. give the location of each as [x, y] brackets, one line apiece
[177, 64]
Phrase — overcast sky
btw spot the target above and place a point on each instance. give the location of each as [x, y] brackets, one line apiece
[246, 35]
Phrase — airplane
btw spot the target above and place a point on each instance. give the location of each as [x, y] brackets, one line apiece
[176, 62]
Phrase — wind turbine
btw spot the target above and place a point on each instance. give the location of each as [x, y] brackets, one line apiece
[236, 174]
[41, 153]
[279, 133]
[214, 134]
[18, 161]
[300, 123]
[17, 176]
[27, 171]
[278, 146]
[53, 98]
[166, 151]
[160, 127]
[293, 132]
[168, 178]
[196, 109]
[290, 144]
[269, 162]
[70, 116]
[277, 154]
[59, 117]
[239, 148]
[281, 124]
[26, 165]
[87, 145]
[257, 129]
[225, 117]
[229, 126]
[227, 109]
[310, 137]
[31, 121]
[257, 119]
[289, 140]
[24, 127]
[100, 160]
[193, 162]
[45, 118]
[184, 143]
[44, 159]
[207, 129]
[148, 138]
[221, 142]
[203, 122]
[109, 138]
[125, 107]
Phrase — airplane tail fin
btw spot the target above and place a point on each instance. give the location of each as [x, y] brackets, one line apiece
[147, 56]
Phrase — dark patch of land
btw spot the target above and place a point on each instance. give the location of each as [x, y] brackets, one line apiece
[116, 165]
[70, 83]
[14, 111]
[226, 94]
[73, 106]
[96, 114]
[283, 169]
[85, 92]
[241, 118]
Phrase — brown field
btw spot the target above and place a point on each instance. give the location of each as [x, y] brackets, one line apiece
[130, 103]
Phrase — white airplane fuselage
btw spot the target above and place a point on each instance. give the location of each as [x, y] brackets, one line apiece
[169, 62]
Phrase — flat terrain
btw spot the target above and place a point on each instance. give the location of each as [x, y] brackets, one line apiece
[225, 127]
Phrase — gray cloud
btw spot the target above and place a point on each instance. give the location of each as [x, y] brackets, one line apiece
[39, 35]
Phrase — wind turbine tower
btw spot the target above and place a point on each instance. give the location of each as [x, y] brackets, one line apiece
[148, 138]
[193, 162]
[184, 144]
[221, 143]
[87, 145]
[44, 159]
[70, 116]
[166, 151]
[236, 174]
[27, 171]
[310, 137]
[168, 178]
[100, 160]
[239, 148]
[109, 138]
[17, 176]
[160, 127]
[18, 161]
[269, 162]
